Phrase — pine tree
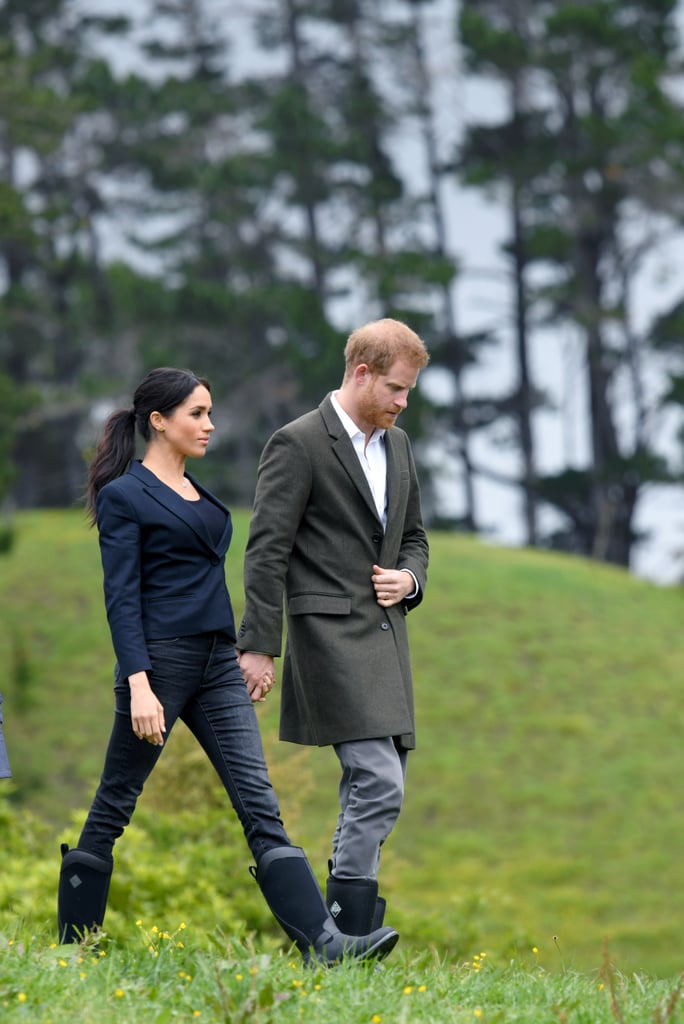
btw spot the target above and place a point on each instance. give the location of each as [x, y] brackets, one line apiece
[587, 122]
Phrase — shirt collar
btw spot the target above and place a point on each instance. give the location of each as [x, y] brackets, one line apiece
[348, 423]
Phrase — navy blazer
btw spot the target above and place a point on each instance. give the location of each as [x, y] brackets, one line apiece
[163, 574]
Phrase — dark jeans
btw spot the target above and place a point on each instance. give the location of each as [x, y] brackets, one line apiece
[196, 679]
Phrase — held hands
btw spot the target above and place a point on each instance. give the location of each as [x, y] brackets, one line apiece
[258, 671]
[147, 714]
[391, 585]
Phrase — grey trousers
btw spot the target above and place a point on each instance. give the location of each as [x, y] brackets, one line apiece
[371, 793]
[5, 772]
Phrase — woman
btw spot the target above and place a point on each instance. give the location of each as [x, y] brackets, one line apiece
[5, 771]
[163, 541]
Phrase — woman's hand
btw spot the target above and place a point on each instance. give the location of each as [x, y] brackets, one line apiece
[147, 714]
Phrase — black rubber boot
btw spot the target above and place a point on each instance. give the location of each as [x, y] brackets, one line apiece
[379, 912]
[83, 889]
[352, 903]
[290, 888]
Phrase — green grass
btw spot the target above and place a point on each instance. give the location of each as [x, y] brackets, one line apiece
[542, 803]
[161, 977]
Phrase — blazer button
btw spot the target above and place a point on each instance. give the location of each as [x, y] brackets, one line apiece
[376, 538]
[384, 625]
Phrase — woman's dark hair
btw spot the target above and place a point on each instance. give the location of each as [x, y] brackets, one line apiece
[162, 390]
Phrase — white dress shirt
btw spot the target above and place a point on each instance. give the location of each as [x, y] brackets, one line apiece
[373, 459]
[372, 456]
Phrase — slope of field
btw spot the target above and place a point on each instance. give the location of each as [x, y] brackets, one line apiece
[542, 802]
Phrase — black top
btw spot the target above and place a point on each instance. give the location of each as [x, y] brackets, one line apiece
[213, 516]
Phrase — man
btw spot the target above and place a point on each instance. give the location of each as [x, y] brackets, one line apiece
[337, 529]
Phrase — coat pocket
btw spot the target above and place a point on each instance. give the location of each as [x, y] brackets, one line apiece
[319, 604]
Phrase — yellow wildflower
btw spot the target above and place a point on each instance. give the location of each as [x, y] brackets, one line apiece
[22, 997]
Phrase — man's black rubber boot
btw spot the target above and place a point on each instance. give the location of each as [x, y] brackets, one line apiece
[352, 903]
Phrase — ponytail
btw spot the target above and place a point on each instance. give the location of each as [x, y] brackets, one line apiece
[113, 455]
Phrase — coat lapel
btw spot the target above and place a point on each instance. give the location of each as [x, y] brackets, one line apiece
[344, 450]
[397, 483]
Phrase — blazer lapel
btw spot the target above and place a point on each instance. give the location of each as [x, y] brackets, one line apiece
[185, 510]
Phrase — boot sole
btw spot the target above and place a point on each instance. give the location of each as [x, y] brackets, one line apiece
[378, 951]
[382, 947]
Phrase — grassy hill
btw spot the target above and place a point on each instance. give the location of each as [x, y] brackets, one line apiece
[542, 802]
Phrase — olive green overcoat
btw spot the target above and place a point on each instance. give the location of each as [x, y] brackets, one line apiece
[314, 537]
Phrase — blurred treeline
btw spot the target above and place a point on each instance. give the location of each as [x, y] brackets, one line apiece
[233, 185]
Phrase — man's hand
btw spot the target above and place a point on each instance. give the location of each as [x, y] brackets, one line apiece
[258, 671]
[391, 585]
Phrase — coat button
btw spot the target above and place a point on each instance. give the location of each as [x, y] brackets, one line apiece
[376, 538]
[384, 625]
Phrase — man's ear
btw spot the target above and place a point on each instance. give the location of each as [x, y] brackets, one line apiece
[361, 373]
